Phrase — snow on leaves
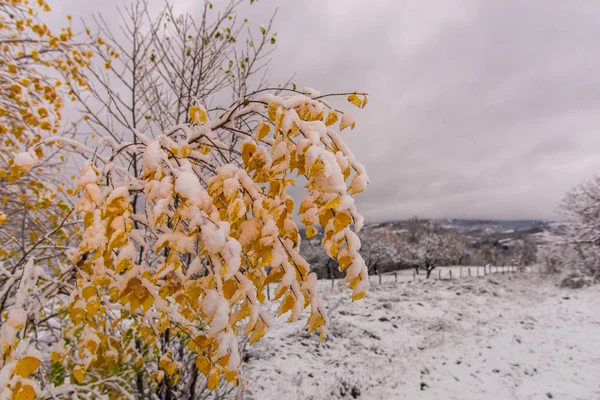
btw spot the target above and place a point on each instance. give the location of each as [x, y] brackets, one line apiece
[215, 229]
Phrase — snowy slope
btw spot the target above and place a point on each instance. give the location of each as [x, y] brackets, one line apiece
[513, 336]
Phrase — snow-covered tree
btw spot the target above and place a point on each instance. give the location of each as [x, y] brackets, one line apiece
[157, 66]
[35, 65]
[576, 262]
[581, 245]
[576, 251]
[186, 218]
[214, 223]
[428, 247]
[380, 247]
[581, 206]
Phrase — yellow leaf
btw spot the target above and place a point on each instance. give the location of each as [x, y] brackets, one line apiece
[27, 366]
[78, 374]
[88, 292]
[274, 275]
[315, 321]
[262, 130]
[248, 149]
[272, 111]
[223, 360]
[26, 392]
[231, 376]
[213, 379]
[92, 307]
[3, 218]
[286, 305]
[342, 220]
[205, 149]
[354, 99]
[197, 114]
[55, 356]
[134, 303]
[364, 102]
[334, 251]
[358, 296]
[310, 232]
[186, 150]
[344, 262]
[203, 364]
[258, 332]
[147, 303]
[331, 119]
[332, 203]
[229, 288]
[77, 314]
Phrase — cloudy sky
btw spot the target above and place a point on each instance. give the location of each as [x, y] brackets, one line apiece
[478, 109]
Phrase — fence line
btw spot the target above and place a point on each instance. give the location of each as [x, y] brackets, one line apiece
[445, 273]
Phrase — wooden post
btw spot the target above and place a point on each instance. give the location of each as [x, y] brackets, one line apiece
[379, 275]
[469, 272]
[440, 274]
[396, 276]
[450, 274]
[414, 274]
[332, 282]
[460, 273]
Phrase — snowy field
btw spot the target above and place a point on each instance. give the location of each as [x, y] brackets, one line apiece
[504, 336]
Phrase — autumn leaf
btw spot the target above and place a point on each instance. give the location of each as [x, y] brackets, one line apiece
[27, 366]
[78, 374]
[213, 379]
[354, 99]
[262, 130]
[197, 114]
[331, 119]
[310, 232]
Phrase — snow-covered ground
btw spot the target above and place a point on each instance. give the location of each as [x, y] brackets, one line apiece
[511, 336]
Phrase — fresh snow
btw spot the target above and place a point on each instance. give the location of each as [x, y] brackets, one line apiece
[503, 336]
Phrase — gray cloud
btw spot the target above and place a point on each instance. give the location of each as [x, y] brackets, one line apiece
[478, 109]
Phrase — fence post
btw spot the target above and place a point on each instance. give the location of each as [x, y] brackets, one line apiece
[396, 276]
[379, 275]
[332, 282]
[469, 272]
[460, 272]
[439, 274]
[450, 274]
[414, 274]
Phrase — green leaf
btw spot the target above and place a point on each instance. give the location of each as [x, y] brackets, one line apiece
[273, 40]
[57, 374]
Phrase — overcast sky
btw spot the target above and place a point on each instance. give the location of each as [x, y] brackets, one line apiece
[478, 109]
